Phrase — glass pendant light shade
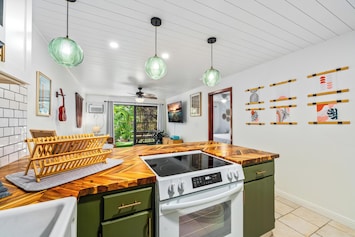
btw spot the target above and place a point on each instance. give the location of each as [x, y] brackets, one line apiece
[139, 99]
[66, 51]
[155, 68]
[211, 77]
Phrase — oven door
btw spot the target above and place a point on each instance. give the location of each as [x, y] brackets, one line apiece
[216, 212]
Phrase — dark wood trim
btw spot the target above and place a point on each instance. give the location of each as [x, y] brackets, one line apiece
[210, 111]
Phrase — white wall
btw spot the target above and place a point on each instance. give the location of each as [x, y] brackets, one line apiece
[61, 78]
[316, 164]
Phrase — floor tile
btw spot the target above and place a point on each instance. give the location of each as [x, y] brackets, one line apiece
[343, 228]
[299, 224]
[311, 216]
[287, 202]
[315, 235]
[282, 208]
[277, 215]
[331, 231]
[282, 230]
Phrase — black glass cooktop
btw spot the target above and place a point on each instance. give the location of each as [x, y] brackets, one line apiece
[172, 165]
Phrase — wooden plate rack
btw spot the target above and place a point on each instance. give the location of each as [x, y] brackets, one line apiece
[53, 155]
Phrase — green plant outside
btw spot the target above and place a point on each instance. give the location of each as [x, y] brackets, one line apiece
[123, 122]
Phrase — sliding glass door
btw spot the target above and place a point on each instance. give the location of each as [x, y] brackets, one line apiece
[135, 124]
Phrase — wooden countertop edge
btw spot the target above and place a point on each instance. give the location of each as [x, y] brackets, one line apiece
[128, 174]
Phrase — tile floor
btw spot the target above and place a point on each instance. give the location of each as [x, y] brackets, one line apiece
[293, 220]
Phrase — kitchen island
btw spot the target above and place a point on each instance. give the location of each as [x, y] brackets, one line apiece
[131, 173]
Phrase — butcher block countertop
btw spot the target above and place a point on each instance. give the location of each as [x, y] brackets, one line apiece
[132, 172]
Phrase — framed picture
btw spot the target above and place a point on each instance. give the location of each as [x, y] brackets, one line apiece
[44, 92]
[195, 104]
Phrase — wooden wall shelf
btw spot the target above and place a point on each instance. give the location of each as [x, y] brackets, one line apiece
[328, 93]
[254, 103]
[283, 82]
[255, 123]
[331, 122]
[283, 99]
[255, 88]
[283, 123]
[249, 109]
[282, 106]
[329, 71]
[328, 102]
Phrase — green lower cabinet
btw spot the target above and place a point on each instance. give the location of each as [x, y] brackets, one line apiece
[259, 203]
[137, 225]
[127, 212]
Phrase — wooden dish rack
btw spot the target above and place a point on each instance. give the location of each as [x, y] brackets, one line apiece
[53, 155]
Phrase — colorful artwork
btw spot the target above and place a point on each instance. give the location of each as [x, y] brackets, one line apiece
[327, 112]
[254, 116]
[326, 82]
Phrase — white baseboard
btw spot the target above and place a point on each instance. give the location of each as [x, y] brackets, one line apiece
[321, 210]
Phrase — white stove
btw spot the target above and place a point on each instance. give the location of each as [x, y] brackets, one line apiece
[198, 195]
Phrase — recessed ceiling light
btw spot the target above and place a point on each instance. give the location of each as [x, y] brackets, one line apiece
[165, 55]
[114, 45]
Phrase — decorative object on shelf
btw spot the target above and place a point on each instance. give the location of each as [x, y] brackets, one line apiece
[195, 104]
[283, 112]
[64, 50]
[61, 111]
[99, 123]
[44, 93]
[155, 66]
[212, 76]
[253, 100]
[78, 109]
[328, 110]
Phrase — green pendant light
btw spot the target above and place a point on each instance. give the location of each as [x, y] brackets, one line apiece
[211, 77]
[155, 67]
[64, 50]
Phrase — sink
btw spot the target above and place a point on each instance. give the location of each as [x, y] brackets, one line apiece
[55, 218]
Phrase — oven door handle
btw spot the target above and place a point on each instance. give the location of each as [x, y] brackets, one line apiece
[169, 207]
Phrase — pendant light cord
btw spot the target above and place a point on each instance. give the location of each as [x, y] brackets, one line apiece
[211, 56]
[156, 39]
[67, 18]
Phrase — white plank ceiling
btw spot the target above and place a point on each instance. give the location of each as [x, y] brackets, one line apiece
[249, 32]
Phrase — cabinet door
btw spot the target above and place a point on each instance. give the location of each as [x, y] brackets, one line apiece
[137, 225]
[259, 207]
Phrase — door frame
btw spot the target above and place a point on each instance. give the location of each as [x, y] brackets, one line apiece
[210, 112]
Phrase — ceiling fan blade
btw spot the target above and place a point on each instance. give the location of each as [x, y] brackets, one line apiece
[149, 96]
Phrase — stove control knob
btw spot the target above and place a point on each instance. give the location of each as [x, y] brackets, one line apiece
[230, 176]
[181, 188]
[236, 175]
[171, 191]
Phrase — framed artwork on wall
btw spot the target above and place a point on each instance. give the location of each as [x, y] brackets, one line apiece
[43, 95]
[195, 104]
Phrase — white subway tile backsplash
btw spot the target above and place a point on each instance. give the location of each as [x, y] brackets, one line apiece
[9, 95]
[22, 106]
[22, 122]
[9, 131]
[4, 122]
[23, 91]
[4, 160]
[9, 149]
[15, 139]
[15, 88]
[19, 98]
[13, 123]
[14, 104]
[13, 157]
[8, 113]
[4, 103]
[5, 86]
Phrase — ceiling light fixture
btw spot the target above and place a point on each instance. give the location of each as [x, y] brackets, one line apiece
[211, 77]
[64, 50]
[155, 67]
[139, 99]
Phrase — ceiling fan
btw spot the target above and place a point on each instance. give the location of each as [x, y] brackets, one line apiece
[140, 94]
